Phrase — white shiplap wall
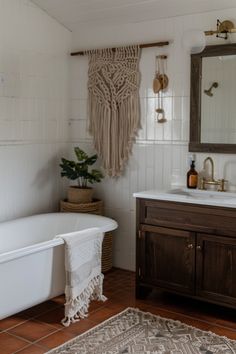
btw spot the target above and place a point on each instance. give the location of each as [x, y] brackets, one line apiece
[33, 108]
[160, 154]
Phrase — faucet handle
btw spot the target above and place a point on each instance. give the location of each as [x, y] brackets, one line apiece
[202, 183]
[222, 183]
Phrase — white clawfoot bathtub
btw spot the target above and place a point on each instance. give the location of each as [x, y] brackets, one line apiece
[32, 261]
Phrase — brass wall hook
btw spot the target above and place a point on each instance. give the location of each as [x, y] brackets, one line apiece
[208, 92]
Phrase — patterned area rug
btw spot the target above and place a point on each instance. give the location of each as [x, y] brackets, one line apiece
[137, 332]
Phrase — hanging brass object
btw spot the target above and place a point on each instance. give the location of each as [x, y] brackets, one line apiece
[160, 83]
[163, 78]
[156, 85]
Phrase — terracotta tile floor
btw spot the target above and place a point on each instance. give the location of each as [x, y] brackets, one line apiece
[38, 329]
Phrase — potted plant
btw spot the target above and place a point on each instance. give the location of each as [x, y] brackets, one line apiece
[79, 170]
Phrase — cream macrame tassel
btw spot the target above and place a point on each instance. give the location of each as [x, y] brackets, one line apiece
[114, 109]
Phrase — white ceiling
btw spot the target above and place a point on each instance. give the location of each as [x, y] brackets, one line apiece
[72, 13]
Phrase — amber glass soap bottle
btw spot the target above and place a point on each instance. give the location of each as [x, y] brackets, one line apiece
[192, 176]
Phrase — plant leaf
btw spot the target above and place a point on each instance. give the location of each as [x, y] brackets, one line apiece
[81, 155]
[95, 176]
[91, 160]
[80, 170]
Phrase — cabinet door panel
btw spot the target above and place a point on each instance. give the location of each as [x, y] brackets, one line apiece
[216, 268]
[168, 258]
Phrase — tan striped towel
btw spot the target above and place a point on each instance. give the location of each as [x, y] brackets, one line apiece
[84, 280]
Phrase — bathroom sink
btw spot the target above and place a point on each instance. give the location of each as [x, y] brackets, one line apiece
[192, 196]
[203, 194]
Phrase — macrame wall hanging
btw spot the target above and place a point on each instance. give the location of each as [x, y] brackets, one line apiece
[114, 112]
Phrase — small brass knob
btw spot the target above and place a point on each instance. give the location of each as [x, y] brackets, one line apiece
[199, 247]
[190, 246]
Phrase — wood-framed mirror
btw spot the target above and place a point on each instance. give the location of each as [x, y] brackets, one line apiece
[213, 100]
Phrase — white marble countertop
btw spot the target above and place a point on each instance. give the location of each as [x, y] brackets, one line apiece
[192, 196]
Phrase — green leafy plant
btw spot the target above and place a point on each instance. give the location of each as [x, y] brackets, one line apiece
[80, 170]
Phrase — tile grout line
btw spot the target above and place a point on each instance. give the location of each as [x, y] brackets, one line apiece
[28, 319]
[34, 342]
[18, 351]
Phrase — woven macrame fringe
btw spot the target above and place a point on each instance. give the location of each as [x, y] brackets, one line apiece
[113, 105]
[114, 132]
[78, 307]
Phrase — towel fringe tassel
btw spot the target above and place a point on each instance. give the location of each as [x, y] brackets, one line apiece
[78, 308]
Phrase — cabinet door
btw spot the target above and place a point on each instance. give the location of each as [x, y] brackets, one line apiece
[168, 258]
[216, 268]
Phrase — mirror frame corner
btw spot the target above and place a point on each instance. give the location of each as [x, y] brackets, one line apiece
[195, 144]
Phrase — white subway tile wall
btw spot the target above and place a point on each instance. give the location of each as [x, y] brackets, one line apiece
[160, 155]
[34, 73]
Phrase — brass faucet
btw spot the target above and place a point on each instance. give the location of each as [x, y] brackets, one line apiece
[212, 167]
[211, 181]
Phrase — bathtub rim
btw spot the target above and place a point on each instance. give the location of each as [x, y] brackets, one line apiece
[111, 225]
[17, 219]
[27, 251]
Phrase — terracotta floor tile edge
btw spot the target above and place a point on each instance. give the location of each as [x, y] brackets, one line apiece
[18, 337]
[34, 342]
[28, 346]
[7, 329]
[44, 337]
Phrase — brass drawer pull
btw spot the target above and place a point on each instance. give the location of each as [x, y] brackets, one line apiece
[199, 248]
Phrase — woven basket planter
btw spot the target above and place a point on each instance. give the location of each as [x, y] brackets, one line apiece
[80, 195]
[95, 207]
[107, 252]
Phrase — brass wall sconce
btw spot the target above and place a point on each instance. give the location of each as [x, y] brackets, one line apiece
[222, 29]
[194, 41]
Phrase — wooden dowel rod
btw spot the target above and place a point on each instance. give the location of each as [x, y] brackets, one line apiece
[147, 45]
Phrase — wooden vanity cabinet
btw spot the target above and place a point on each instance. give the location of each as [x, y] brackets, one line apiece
[167, 258]
[187, 249]
[216, 268]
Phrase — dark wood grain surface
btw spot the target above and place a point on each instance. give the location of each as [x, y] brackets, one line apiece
[187, 249]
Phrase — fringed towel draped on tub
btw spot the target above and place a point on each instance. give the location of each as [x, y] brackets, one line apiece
[114, 112]
[84, 280]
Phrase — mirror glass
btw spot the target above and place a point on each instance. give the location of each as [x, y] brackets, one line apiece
[213, 100]
[218, 99]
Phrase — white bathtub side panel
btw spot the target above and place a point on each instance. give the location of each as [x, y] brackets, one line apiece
[31, 279]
